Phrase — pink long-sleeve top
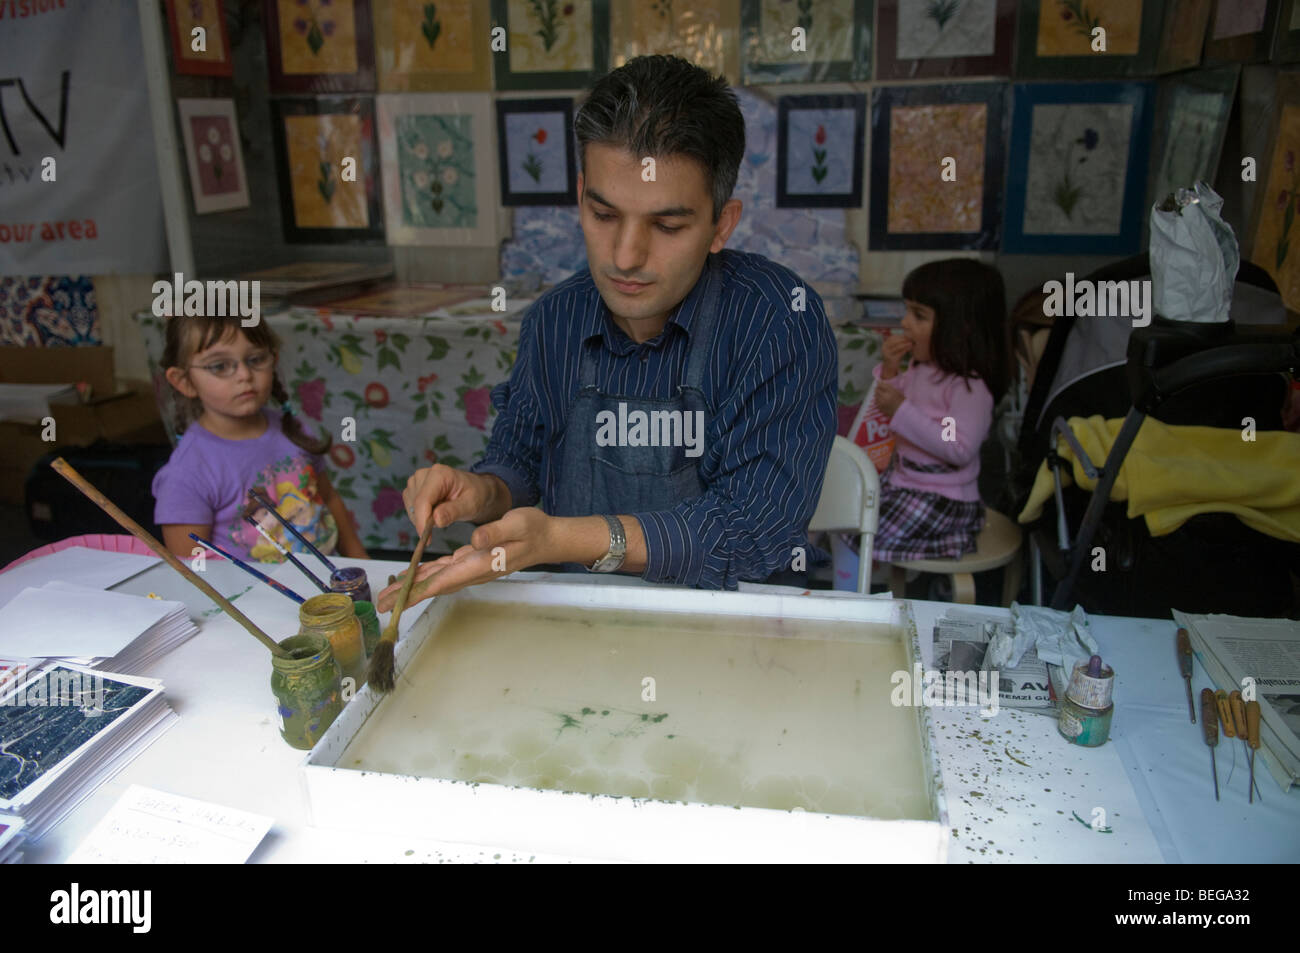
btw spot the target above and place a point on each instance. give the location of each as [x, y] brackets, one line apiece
[930, 395]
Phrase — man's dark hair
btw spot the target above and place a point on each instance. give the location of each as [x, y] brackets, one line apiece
[668, 106]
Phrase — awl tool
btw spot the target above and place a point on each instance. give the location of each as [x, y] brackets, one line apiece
[1252, 740]
[1210, 725]
[1184, 647]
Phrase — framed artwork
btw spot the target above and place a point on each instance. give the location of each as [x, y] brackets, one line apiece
[536, 152]
[1191, 122]
[1056, 37]
[1077, 172]
[1183, 35]
[707, 34]
[183, 17]
[439, 185]
[213, 154]
[838, 38]
[1286, 45]
[428, 47]
[1276, 248]
[1241, 31]
[945, 38]
[819, 149]
[551, 44]
[324, 198]
[320, 46]
[936, 166]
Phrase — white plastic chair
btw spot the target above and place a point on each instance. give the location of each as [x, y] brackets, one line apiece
[850, 500]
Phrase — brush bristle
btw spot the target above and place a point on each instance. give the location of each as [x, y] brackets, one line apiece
[382, 671]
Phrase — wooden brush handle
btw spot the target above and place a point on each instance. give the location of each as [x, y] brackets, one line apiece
[139, 532]
[390, 630]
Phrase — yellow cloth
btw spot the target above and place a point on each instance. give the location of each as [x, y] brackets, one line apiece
[1174, 473]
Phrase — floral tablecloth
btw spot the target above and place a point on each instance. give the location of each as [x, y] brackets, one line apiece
[419, 390]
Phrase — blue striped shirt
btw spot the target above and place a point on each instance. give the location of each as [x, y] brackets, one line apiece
[771, 382]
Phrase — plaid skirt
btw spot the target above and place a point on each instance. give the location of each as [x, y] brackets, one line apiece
[917, 524]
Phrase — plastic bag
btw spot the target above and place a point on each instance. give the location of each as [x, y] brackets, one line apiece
[1194, 257]
[871, 432]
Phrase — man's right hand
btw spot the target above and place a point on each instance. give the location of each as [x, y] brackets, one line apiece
[892, 351]
[454, 495]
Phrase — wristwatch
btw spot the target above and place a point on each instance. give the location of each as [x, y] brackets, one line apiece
[617, 547]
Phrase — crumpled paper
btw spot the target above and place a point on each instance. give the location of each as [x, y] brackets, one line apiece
[1061, 638]
[1194, 257]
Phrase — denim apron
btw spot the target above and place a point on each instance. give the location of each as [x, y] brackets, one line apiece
[614, 479]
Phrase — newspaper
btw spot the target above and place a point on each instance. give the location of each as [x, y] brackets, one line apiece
[961, 641]
[1237, 652]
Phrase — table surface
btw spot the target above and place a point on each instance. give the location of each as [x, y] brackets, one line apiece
[1017, 792]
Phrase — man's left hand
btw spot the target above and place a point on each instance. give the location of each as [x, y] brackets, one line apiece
[524, 537]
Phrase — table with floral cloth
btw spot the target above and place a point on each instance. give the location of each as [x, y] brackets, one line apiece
[419, 390]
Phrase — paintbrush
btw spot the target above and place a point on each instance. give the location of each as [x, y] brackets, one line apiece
[382, 674]
[270, 507]
[61, 467]
[278, 587]
[286, 554]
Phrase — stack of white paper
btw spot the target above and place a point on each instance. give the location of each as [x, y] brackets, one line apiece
[154, 827]
[96, 568]
[11, 839]
[67, 729]
[110, 631]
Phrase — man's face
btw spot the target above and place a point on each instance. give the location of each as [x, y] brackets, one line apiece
[647, 241]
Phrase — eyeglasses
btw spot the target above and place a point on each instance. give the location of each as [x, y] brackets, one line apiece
[257, 361]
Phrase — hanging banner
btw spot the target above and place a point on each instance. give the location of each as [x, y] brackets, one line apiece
[78, 182]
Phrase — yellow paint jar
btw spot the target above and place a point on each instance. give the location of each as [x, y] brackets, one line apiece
[333, 616]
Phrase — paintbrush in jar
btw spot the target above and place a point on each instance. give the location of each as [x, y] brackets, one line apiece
[62, 467]
[286, 554]
[278, 587]
[382, 672]
[270, 508]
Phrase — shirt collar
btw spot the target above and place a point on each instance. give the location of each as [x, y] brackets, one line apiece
[599, 323]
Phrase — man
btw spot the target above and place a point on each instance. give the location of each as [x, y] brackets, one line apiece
[672, 406]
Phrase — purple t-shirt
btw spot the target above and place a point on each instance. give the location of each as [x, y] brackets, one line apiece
[208, 478]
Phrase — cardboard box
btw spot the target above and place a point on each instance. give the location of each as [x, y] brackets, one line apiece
[118, 411]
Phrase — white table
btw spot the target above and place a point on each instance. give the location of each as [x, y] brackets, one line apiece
[1013, 784]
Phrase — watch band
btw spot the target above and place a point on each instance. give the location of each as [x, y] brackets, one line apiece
[613, 559]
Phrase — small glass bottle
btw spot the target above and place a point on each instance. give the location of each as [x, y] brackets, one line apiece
[351, 581]
[369, 625]
[333, 616]
[307, 687]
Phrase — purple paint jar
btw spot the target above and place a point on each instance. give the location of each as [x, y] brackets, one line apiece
[351, 581]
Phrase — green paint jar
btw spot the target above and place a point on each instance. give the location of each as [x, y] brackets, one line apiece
[369, 625]
[332, 615]
[307, 689]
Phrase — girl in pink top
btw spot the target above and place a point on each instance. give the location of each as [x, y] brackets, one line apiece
[940, 408]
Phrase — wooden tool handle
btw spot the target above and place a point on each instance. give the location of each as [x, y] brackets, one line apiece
[1238, 714]
[390, 630]
[1252, 723]
[1184, 653]
[64, 470]
[1225, 713]
[1209, 721]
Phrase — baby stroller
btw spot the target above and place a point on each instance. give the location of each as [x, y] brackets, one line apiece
[1180, 373]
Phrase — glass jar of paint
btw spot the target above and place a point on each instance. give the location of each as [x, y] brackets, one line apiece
[352, 582]
[333, 616]
[369, 625]
[307, 688]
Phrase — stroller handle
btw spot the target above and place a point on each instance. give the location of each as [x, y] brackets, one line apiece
[1154, 378]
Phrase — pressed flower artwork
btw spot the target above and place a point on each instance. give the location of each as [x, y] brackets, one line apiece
[423, 44]
[1197, 107]
[184, 16]
[829, 26]
[435, 148]
[1075, 186]
[550, 35]
[940, 28]
[212, 149]
[1277, 239]
[920, 138]
[435, 165]
[1065, 26]
[819, 151]
[537, 161]
[317, 36]
[704, 33]
[317, 146]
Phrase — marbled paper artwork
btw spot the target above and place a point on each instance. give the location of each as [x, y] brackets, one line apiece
[920, 138]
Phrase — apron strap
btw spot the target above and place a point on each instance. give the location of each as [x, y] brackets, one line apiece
[706, 322]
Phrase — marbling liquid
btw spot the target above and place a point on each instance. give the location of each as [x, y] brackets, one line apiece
[748, 711]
